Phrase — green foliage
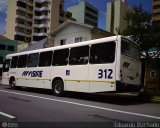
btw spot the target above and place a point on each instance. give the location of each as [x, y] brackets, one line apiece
[141, 30]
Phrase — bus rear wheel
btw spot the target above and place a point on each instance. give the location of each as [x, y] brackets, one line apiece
[12, 84]
[58, 88]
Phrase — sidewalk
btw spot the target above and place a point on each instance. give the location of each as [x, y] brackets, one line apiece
[142, 96]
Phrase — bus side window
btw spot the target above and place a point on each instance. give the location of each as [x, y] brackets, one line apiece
[102, 53]
[125, 48]
[60, 57]
[6, 65]
[33, 60]
[22, 61]
[79, 55]
[14, 62]
[45, 59]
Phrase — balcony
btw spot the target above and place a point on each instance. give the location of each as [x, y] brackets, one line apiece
[41, 17]
[156, 10]
[24, 18]
[40, 1]
[155, 3]
[45, 25]
[23, 26]
[23, 9]
[22, 34]
[27, 2]
[40, 34]
[92, 13]
[41, 9]
[91, 19]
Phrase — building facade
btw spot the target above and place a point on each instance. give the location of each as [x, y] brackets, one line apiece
[73, 32]
[84, 13]
[68, 33]
[30, 20]
[156, 12]
[7, 46]
[116, 11]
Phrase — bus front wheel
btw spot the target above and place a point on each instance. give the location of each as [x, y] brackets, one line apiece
[58, 88]
[12, 84]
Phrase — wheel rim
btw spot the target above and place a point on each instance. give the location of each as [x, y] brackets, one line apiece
[12, 84]
[57, 88]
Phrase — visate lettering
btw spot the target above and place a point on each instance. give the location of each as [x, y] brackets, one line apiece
[32, 73]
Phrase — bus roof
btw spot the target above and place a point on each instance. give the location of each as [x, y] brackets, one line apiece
[89, 42]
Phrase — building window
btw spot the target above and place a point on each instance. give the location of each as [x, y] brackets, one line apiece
[156, 14]
[155, 0]
[2, 47]
[21, 4]
[78, 39]
[156, 6]
[10, 48]
[63, 42]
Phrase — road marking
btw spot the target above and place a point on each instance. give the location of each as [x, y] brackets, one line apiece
[7, 115]
[85, 105]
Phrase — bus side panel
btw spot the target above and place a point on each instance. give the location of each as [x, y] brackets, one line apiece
[102, 77]
[58, 72]
[77, 78]
[20, 80]
[39, 77]
[5, 78]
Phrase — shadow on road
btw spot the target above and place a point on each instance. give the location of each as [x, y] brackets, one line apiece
[111, 98]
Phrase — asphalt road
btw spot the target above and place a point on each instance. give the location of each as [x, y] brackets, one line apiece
[39, 108]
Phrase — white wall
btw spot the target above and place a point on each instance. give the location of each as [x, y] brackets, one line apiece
[71, 32]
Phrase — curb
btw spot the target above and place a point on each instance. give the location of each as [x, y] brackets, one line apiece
[155, 99]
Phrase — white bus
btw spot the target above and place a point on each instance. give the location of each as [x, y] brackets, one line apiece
[109, 64]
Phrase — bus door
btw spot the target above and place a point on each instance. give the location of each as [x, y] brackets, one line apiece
[102, 67]
[5, 74]
[77, 72]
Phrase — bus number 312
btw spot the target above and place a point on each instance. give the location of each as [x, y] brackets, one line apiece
[106, 73]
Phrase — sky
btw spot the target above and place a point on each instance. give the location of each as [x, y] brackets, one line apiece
[99, 4]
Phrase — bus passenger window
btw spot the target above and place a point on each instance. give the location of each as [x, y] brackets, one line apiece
[60, 57]
[14, 62]
[45, 59]
[79, 55]
[33, 60]
[22, 61]
[102, 53]
[125, 48]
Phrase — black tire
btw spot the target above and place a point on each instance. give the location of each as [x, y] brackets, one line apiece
[12, 84]
[58, 88]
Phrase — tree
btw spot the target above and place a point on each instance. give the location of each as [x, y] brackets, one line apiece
[141, 30]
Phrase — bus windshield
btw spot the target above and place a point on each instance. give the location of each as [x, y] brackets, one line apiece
[130, 49]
